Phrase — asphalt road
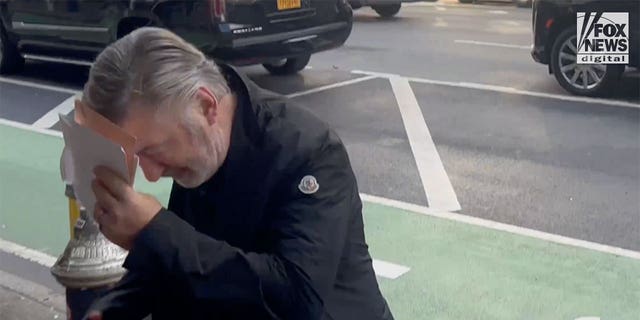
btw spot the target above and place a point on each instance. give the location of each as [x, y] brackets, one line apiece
[566, 167]
[440, 41]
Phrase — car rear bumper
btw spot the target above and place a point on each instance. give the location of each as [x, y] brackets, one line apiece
[539, 54]
[257, 49]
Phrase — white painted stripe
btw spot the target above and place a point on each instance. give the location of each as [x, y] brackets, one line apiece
[494, 44]
[440, 8]
[29, 127]
[38, 257]
[397, 204]
[440, 22]
[421, 4]
[51, 117]
[382, 268]
[436, 183]
[498, 11]
[37, 85]
[389, 270]
[512, 23]
[511, 90]
[464, 6]
[503, 227]
[330, 86]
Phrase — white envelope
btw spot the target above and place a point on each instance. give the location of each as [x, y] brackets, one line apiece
[88, 150]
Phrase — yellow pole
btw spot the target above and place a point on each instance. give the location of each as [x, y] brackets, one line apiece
[74, 210]
[74, 214]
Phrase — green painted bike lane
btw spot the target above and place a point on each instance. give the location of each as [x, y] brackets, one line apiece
[458, 271]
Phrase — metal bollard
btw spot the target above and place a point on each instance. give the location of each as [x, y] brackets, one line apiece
[90, 264]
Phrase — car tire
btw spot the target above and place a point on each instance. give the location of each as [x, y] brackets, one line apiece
[10, 59]
[465, 1]
[288, 66]
[586, 80]
[387, 10]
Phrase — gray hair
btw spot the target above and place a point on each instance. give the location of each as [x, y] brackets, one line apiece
[152, 65]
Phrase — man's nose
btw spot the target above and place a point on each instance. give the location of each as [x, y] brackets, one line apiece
[152, 169]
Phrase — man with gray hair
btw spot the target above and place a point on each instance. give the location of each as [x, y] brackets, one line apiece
[264, 219]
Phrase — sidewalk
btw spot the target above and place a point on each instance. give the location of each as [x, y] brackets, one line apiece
[21, 299]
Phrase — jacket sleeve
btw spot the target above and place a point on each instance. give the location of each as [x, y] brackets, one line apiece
[291, 281]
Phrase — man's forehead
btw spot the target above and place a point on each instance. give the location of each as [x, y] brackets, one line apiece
[139, 114]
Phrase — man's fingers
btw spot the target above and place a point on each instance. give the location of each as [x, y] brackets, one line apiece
[99, 214]
[103, 195]
[104, 199]
[112, 182]
[106, 222]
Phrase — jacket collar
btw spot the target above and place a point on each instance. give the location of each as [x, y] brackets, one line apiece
[238, 181]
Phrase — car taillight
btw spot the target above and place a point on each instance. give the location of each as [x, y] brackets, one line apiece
[549, 23]
[218, 10]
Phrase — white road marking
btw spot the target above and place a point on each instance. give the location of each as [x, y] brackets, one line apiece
[454, 5]
[382, 268]
[330, 86]
[38, 257]
[38, 85]
[389, 270]
[550, 237]
[29, 127]
[51, 117]
[420, 4]
[440, 22]
[498, 11]
[493, 44]
[509, 22]
[435, 181]
[480, 86]
[440, 8]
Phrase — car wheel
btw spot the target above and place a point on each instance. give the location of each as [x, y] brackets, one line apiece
[581, 79]
[465, 1]
[288, 66]
[10, 59]
[387, 10]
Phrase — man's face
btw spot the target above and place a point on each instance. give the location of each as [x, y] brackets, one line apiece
[168, 145]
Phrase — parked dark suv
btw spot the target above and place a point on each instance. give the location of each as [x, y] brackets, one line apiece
[280, 34]
[554, 43]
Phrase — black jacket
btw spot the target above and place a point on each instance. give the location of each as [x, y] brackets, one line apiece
[249, 243]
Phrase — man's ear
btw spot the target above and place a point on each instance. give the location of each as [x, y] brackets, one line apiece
[208, 104]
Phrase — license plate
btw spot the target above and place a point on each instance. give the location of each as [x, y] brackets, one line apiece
[288, 4]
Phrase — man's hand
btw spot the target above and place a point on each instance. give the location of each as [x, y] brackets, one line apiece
[120, 211]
